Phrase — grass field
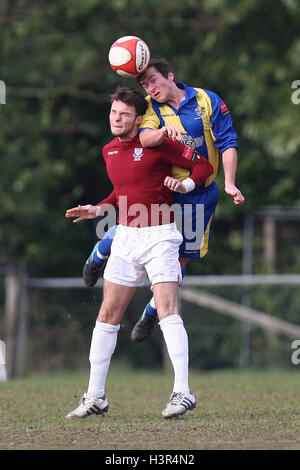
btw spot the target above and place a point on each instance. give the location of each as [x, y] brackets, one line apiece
[235, 410]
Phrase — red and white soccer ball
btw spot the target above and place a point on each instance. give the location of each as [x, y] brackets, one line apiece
[129, 56]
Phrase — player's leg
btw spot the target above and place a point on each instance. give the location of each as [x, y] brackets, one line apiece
[174, 332]
[191, 224]
[164, 272]
[176, 339]
[95, 264]
[104, 338]
[121, 277]
[115, 301]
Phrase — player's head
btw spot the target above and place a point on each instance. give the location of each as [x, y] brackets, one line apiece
[161, 65]
[132, 97]
[158, 79]
[128, 105]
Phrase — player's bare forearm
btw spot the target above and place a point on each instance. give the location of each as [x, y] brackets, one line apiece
[151, 137]
[154, 137]
[229, 159]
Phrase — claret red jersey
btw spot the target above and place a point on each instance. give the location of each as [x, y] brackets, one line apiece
[138, 173]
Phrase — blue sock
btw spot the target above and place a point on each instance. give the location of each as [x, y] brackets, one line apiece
[150, 310]
[102, 248]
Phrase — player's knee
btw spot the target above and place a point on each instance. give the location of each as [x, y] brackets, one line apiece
[164, 312]
[108, 315]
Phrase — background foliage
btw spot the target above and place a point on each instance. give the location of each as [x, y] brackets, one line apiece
[54, 62]
[53, 59]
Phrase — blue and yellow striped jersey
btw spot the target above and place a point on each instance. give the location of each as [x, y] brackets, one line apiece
[205, 117]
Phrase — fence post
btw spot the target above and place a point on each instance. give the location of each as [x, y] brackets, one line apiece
[2, 92]
[16, 320]
[247, 268]
[269, 237]
[3, 373]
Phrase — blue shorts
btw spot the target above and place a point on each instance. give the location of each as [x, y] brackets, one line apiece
[195, 220]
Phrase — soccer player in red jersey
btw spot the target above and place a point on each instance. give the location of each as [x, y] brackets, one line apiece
[145, 246]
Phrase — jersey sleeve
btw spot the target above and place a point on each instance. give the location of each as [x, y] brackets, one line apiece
[111, 199]
[178, 154]
[222, 129]
[150, 119]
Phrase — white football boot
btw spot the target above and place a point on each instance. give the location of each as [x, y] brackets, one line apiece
[89, 406]
[178, 404]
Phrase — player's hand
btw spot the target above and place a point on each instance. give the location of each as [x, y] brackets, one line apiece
[173, 132]
[174, 185]
[82, 212]
[233, 191]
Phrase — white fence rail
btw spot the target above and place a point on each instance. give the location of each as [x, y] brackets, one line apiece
[241, 312]
[201, 281]
[17, 286]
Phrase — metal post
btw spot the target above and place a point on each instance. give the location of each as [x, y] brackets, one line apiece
[22, 329]
[3, 373]
[16, 320]
[269, 237]
[11, 308]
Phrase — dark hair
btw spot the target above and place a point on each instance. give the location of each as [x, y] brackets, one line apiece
[132, 97]
[161, 65]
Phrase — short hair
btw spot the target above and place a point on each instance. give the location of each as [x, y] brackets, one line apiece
[132, 97]
[161, 65]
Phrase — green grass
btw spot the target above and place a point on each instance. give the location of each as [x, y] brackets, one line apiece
[235, 410]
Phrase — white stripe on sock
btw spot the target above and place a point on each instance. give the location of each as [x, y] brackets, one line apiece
[100, 255]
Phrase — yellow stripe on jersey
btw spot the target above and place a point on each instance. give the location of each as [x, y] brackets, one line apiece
[151, 120]
[205, 239]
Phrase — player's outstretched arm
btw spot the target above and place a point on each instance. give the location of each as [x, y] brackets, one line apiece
[83, 212]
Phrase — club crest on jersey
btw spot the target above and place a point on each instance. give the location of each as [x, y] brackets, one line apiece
[137, 154]
[200, 110]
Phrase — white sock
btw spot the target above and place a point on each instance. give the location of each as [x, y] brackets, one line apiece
[152, 303]
[104, 340]
[178, 348]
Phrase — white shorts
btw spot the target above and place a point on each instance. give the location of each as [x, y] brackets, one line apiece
[140, 255]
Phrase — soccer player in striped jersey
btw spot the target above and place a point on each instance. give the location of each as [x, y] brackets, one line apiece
[199, 118]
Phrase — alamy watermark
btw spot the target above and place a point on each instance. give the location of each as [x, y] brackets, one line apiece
[295, 97]
[2, 92]
[189, 219]
[296, 354]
